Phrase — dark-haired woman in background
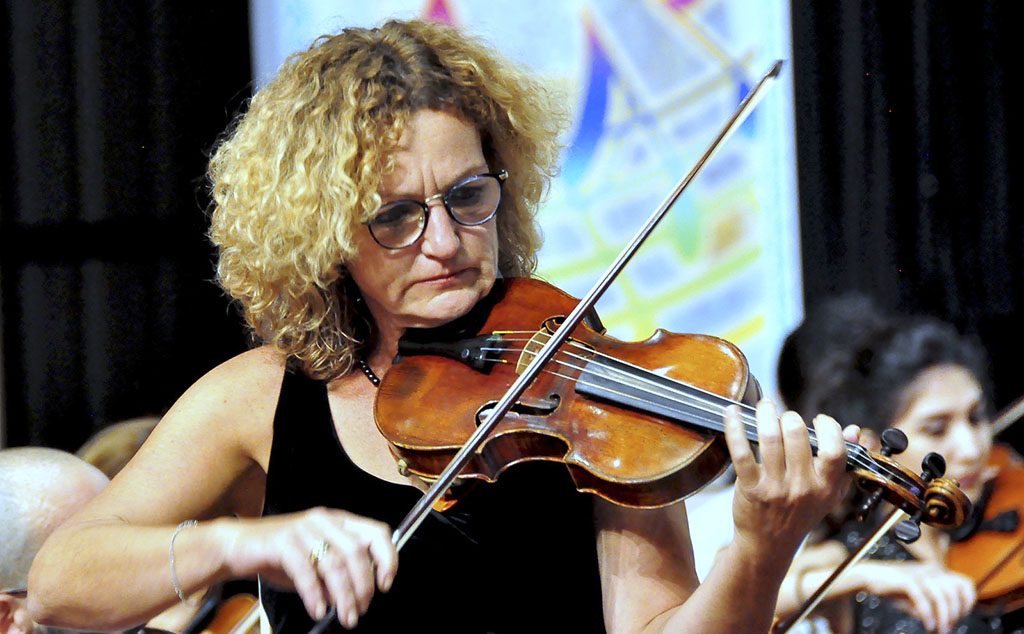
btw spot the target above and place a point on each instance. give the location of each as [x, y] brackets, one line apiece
[921, 376]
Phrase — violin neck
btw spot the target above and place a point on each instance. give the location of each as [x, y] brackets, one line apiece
[637, 388]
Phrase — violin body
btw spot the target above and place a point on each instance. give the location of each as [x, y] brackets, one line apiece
[633, 458]
[995, 559]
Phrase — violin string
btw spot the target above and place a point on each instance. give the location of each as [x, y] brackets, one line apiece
[855, 457]
[706, 405]
[855, 452]
[690, 395]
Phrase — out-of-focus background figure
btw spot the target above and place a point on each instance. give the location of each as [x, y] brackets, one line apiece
[110, 449]
[853, 361]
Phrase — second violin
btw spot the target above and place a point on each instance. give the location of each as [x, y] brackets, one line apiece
[993, 554]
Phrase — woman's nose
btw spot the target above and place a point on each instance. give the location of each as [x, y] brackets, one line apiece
[440, 239]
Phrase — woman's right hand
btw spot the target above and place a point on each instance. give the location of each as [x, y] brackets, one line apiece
[931, 593]
[330, 557]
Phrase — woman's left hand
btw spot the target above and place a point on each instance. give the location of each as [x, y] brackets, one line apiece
[779, 499]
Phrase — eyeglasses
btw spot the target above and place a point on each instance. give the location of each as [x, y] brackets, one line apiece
[469, 202]
[20, 593]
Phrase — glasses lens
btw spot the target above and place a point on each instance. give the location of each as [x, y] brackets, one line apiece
[398, 224]
[474, 201]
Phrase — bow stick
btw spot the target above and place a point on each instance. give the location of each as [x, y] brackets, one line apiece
[1008, 416]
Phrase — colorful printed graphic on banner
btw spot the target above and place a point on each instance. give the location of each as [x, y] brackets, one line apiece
[652, 83]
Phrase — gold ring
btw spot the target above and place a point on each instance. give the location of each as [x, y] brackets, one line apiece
[318, 551]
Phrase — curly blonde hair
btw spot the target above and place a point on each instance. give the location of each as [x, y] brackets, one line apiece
[301, 169]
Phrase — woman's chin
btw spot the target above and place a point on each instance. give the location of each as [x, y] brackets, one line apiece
[445, 308]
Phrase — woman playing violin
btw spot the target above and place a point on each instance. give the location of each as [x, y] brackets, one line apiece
[381, 182]
[920, 376]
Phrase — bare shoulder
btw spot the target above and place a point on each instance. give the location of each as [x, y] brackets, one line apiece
[252, 370]
[236, 399]
[248, 382]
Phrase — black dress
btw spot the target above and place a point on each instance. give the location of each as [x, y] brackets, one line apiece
[515, 556]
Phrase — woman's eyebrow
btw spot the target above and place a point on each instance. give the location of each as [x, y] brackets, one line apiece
[463, 175]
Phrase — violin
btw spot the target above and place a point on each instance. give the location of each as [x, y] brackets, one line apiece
[993, 556]
[639, 424]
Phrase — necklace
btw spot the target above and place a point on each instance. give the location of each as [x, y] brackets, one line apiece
[368, 371]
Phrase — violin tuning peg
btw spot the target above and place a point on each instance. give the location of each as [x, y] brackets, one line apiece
[907, 531]
[894, 442]
[933, 466]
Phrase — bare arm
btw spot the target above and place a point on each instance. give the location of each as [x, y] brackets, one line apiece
[206, 460]
[647, 569]
[117, 546]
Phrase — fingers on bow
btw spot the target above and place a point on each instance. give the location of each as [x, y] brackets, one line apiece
[341, 560]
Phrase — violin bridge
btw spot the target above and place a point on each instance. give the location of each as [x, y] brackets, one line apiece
[531, 349]
[537, 342]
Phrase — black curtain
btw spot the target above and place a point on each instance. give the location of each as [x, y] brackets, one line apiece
[907, 152]
[108, 309]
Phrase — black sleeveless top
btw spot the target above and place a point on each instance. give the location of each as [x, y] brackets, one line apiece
[518, 555]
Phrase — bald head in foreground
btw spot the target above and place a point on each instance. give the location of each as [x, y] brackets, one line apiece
[39, 489]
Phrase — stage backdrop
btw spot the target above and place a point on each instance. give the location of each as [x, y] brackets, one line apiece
[651, 83]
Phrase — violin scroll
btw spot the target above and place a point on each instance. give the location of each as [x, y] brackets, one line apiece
[945, 504]
[927, 498]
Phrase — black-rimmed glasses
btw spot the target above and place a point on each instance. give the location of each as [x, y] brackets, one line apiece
[469, 202]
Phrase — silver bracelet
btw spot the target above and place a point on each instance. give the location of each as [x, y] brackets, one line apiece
[170, 554]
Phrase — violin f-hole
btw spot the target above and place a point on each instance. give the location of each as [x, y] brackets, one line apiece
[536, 407]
